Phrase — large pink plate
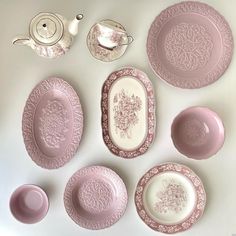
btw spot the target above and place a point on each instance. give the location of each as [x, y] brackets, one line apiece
[128, 112]
[170, 198]
[95, 197]
[190, 45]
[52, 123]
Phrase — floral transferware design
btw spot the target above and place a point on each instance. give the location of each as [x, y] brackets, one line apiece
[126, 112]
[95, 196]
[188, 47]
[173, 197]
[151, 117]
[53, 124]
[187, 222]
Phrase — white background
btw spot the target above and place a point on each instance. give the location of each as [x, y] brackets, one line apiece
[21, 69]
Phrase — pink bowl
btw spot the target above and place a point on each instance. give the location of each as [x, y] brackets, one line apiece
[29, 204]
[197, 132]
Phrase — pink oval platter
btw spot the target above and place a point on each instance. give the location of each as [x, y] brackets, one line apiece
[197, 132]
[29, 204]
[95, 197]
[52, 123]
[189, 45]
[128, 112]
[170, 198]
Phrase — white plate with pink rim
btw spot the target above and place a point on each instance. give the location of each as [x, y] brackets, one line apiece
[170, 198]
[52, 123]
[128, 112]
[95, 197]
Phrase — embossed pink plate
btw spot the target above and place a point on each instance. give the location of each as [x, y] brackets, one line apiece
[128, 112]
[95, 197]
[197, 132]
[189, 45]
[170, 198]
[29, 204]
[52, 123]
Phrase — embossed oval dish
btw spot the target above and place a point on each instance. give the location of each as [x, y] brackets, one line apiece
[190, 45]
[170, 198]
[52, 123]
[128, 112]
[29, 204]
[197, 132]
[95, 197]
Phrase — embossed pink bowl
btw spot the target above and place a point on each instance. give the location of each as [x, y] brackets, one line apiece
[197, 132]
[95, 197]
[29, 204]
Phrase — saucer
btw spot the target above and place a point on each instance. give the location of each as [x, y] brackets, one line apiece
[170, 198]
[197, 132]
[52, 123]
[128, 112]
[190, 45]
[29, 204]
[95, 197]
[103, 53]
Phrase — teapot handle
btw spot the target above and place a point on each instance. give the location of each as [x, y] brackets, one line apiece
[21, 40]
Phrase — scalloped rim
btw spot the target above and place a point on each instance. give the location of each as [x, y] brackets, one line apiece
[143, 78]
[191, 219]
[28, 119]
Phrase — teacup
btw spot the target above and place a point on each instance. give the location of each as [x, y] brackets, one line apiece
[111, 36]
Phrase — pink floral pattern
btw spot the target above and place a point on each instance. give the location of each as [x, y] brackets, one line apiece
[188, 47]
[53, 124]
[172, 198]
[195, 214]
[126, 112]
[151, 116]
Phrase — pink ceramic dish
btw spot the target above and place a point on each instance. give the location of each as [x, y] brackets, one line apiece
[29, 204]
[95, 197]
[197, 132]
[170, 198]
[128, 112]
[190, 45]
[52, 123]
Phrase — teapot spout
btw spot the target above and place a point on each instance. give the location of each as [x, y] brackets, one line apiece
[21, 40]
[73, 25]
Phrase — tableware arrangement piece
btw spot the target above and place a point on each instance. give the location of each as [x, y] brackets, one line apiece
[95, 197]
[197, 132]
[170, 198]
[128, 112]
[52, 123]
[29, 204]
[50, 35]
[108, 40]
[189, 45]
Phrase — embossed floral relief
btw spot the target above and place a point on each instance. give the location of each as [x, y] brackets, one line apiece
[126, 109]
[188, 47]
[53, 124]
[172, 198]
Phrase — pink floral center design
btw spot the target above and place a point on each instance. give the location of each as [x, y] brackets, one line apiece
[126, 112]
[172, 198]
[188, 47]
[53, 124]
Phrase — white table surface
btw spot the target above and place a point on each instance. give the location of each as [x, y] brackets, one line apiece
[21, 69]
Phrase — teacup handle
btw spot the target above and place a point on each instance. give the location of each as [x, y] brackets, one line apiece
[130, 40]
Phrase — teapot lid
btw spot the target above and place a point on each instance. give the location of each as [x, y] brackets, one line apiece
[46, 28]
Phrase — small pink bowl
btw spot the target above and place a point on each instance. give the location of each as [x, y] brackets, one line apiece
[29, 204]
[197, 132]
